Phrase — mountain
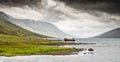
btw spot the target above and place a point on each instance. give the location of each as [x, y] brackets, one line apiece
[115, 33]
[39, 27]
[9, 28]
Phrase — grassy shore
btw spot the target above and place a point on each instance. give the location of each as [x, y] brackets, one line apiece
[17, 41]
[19, 46]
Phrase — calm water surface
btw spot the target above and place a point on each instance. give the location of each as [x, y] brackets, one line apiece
[105, 50]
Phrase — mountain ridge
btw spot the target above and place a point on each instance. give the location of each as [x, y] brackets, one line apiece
[39, 27]
[115, 33]
[9, 28]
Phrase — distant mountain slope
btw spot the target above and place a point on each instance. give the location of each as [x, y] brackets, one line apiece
[9, 28]
[110, 34]
[42, 28]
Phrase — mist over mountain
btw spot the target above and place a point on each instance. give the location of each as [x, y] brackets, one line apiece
[39, 27]
[81, 18]
[8, 28]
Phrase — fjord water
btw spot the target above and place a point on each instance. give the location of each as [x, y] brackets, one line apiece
[105, 50]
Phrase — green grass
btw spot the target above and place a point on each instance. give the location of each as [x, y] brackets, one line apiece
[23, 48]
[18, 45]
[28, 50]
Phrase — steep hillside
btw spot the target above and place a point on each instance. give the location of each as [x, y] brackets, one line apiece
[39, 27]
[115, 33]
[12, 29]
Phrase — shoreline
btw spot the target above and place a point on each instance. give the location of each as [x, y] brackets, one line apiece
[22, 46]
[9, 49]
[74, 51]
[101, 54]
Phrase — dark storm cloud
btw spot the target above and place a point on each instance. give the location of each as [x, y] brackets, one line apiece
[89, 1]
[18, 2]
[109, 6]
[97, 7]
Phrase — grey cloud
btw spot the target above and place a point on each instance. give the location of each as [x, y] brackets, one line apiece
[108, 6]
[93, 7]
[19, 2]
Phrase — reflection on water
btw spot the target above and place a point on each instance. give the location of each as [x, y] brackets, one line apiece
[105, 50]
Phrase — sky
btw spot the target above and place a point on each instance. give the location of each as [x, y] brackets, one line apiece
[81, 18]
